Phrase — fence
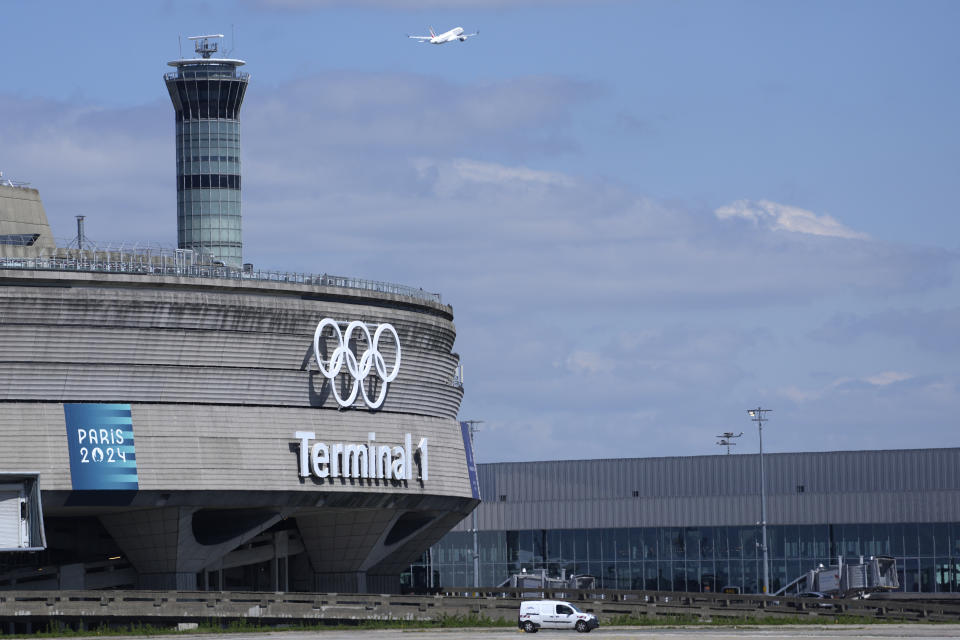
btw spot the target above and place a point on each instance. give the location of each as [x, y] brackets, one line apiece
[168, 265]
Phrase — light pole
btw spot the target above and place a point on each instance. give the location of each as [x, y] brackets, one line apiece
[757, 415]
[472, 425]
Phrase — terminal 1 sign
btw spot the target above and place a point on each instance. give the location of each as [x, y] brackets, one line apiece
[369, 460]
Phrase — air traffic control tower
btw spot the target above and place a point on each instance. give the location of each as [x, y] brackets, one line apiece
[207, 94]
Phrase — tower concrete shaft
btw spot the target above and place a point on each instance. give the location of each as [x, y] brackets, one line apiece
[207, 94]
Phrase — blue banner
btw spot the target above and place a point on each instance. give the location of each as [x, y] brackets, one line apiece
[100, 440]
[471, 464]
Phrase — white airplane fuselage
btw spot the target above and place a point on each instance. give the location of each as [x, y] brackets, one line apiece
[449, 36]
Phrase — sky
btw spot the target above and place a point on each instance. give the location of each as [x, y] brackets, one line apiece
[648, 216]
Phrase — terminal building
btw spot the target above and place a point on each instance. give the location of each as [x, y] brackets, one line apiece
[173, 418]
[692, 523]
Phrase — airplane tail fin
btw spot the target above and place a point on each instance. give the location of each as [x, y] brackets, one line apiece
[432, 34]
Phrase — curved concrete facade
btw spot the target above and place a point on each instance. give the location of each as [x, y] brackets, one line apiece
[221, 383]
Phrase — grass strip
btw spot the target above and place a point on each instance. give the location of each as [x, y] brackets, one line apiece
[62, 630]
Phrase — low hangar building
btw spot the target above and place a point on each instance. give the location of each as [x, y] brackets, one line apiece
[691, 523]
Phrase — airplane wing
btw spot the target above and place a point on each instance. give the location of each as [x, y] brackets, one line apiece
[469, 35]
[420, 38]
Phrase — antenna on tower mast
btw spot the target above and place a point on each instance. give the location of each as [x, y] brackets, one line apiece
[203, 46]
[726, 439]
[233, 44]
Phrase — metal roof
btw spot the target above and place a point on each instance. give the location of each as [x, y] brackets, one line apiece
[913, 485]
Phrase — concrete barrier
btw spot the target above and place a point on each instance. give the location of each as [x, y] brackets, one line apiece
[30, 610]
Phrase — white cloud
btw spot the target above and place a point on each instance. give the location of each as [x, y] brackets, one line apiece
[782, 217]
[465, 178]
[798, 395]
[887, 377]
[497, 173]
[582, 362]
[882, 379]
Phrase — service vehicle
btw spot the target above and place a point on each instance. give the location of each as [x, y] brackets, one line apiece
[554, 614]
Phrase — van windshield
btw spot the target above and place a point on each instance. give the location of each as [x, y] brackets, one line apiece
[575, 610]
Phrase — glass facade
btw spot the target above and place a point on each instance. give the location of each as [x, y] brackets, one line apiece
[207, 96]
[693, 558]
[19, 239]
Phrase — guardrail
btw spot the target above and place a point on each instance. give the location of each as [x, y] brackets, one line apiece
[164, 265]
[713, 606]
[29, 610]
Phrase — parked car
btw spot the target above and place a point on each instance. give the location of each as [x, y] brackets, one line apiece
[554, 614]
[816, 595]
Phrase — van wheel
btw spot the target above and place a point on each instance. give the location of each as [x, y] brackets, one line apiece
[582, 627]
[529, 627]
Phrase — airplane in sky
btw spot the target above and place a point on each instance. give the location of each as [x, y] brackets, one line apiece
[454, 34]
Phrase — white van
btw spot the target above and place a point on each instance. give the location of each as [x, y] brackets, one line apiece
[554, 614]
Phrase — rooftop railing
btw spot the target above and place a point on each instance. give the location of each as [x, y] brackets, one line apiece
[4, 182]
[165, 262]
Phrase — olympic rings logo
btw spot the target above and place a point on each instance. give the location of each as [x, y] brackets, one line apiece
[358, 369]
